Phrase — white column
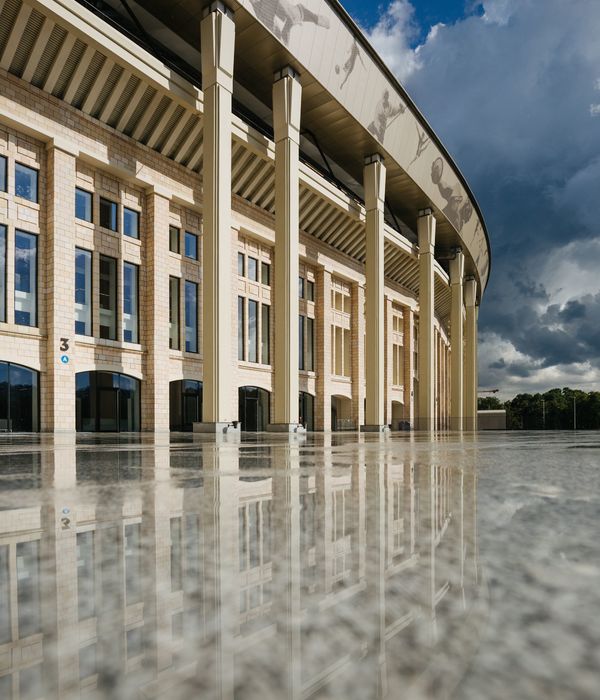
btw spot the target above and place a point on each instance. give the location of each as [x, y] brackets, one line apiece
[374, 184]
[218, 45]
[471, 355]
[287, 102]
[457, 268]
[426, 361]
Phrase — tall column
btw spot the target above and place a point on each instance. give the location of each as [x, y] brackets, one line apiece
[426, 376]
[287, 102]
[457, 269]
[155, 397]
[389, 361]
[323, 399]
[357, 331]
[374, 184]
[471, 355]
[218, 44]
[58, 391]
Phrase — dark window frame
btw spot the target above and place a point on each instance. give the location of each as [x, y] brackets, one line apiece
[138, 217]
[116, 205]
[37, 182]
[36, 277]
[91, 194]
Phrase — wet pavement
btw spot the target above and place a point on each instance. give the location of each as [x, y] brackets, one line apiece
[330, 566]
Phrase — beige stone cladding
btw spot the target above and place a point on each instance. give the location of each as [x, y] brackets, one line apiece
[72, 150]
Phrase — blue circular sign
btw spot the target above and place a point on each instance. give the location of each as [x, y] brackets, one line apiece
[64, 359]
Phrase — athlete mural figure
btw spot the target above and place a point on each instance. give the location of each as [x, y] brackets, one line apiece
[424, 142]
[385, 114]
[458, 213]
[289, 15]
[350, 64]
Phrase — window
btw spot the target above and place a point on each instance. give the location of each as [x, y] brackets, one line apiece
[25, 279]
[174, 313]
[86, 580]
[340, 351]
[3, 174]
[133, 564]
[306, 343]
[301, 287]
[310, 344]
[398, 364]
[174, 239]
[26, 182]
[87, 661]
[310, 290]
[265, 274]
[191, 317]
[131, 222]
[191, 246]
[130, 303]
[241, 264]
[2, 274]
[252, 330]
[28, 588]
[252, 271]
[135, 642]
[265, 335]
[108, 298]
[241, 328]
[83, 292]
[83, 205]
[108, 214]
[301, 320]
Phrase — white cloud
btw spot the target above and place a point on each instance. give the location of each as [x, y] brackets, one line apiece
[595, 110]
[571, 271]
[597, 84]
[498, 11]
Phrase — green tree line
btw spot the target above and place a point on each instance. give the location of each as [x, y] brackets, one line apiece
[557, 409]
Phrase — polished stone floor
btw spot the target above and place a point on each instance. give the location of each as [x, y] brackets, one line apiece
[331, 566]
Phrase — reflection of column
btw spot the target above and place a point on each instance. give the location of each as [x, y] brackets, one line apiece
[216, 665]
[323, 399]
[287, 101]
[59, 262]
[426, 544]
[218, 44]
[426, 406]
[374, 184]
[389, 362]
[358, 354]
[324, 524]
[155, 397]
[471, 355]
[457, 267]
[58, 566]
[286, 566]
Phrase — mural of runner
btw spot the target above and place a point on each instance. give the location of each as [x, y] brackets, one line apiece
[281, 16]
[458, 212]
[349, 66]
[385, 114]
[422, 145]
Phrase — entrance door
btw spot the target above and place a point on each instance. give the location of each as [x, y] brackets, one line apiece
[253, 409]
[108, 410]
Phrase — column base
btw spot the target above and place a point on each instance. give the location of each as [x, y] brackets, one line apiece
[217, 428]
[285, 428]
[374, 428]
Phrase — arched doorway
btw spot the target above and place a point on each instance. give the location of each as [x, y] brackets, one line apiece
[185, 404]
[341, 414]
[19, 399]
[306, 410]
[107, 402]
[397, 415]
[253, 409]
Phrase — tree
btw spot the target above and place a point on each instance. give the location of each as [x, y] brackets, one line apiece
[489, 403]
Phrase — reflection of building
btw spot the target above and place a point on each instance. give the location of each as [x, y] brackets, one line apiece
[235, 579]
[261, 272]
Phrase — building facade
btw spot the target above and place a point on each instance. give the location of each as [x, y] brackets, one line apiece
[228, 216]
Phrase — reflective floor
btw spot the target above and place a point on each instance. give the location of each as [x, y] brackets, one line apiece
[336, 566]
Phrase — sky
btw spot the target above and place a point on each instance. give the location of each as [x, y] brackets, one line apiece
[512, 87]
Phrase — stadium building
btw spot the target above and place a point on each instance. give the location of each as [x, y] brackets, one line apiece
[223, 215]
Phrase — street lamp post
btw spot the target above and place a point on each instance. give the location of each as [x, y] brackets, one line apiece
[544, 413]
[574, 413]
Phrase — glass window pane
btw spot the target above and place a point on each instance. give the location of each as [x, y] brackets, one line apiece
[83, 292]
[2, 274]
[86, 580]
[265, 273]
[3, 174]
[174, 239]
[310, 344]
[133, 578]
[135, 642]
[252, 331]
[26, 182]
[108, 214]
[131, 223]
[191, 317]
[130, 303]
[301, 342]
[253, 269]
[87, 661]
[28, 588]
[25, 279]
[301, 287]
[108, 298]
[174, 313]
[129, 403]
[310, 291]
[266, 313]
[241, 264]
[191, 246]
[5, 631]
[24, 399]
[83, 205]
[241, 329]
[4, 418]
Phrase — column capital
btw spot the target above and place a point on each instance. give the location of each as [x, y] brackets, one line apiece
[374, 158]
[426, 226]
[286, 72]
[287, 105]
[217, 34]
[470, 291]
[217, 6]
[374, 180]
[457, 267]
